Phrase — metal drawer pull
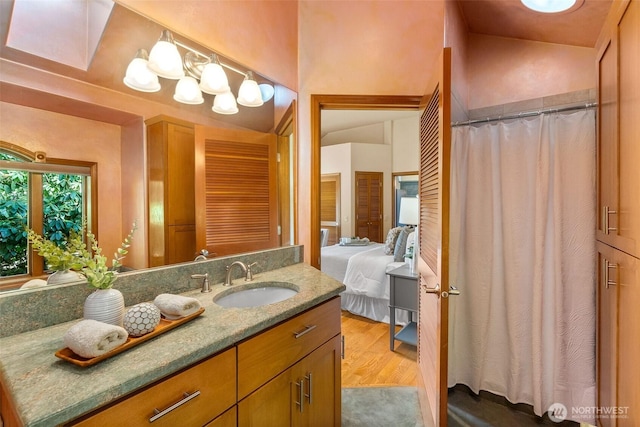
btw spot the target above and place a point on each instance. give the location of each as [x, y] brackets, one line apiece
[187, 397]
[300, 402]
[307, 329]
[606, 266]
[605, 219]
[308, 378]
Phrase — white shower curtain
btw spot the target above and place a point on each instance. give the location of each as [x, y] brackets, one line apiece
[523, 255]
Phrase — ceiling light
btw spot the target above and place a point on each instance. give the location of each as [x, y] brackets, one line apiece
[249, 93]
[213, 79]
[550, 6]
[267, 91]
[188, 92]
[164, 58]
[225, 103]
[138, 76]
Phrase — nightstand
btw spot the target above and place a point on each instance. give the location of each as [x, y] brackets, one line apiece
[403, 294]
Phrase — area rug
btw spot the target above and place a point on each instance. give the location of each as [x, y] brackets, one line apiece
[381, 406]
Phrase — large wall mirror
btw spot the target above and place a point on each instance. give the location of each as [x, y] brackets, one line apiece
[80, 109]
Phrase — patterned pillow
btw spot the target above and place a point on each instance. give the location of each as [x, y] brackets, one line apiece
[392, 237]
[401, 245]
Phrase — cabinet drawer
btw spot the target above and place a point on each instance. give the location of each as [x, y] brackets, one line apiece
[271, 352]
[214, 379]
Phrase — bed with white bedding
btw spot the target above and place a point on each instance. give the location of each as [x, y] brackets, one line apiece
[363, 270]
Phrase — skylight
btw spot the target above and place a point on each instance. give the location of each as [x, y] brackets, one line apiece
[550, 6]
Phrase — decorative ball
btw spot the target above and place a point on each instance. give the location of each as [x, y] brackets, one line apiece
[141, 319]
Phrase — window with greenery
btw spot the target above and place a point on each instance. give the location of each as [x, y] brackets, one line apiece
[51, 198]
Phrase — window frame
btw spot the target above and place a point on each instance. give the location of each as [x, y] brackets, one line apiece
[35, 263]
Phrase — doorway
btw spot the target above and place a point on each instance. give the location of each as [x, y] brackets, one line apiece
[340, 102]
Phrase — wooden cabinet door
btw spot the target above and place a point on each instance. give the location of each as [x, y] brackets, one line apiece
[619, 132]
[171, 191]
[368, 209]
[270, 405]
[607, 333]
[317, 381]
[627, 281]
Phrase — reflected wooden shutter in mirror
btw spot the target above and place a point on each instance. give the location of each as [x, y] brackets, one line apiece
[236, 205]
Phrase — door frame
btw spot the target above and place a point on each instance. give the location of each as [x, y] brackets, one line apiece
[341, 102]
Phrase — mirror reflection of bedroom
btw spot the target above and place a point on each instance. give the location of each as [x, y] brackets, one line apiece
[368, 213]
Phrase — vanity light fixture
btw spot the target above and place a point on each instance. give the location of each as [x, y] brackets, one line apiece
[139, 76]
[552, 6]
[165, 61]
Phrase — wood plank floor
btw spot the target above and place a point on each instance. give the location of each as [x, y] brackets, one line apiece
[368, 361]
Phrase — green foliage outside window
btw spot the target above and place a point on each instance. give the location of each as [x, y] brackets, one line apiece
[62, 207]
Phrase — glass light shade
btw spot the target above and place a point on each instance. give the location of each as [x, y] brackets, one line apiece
[267, 91]
[138, 76]
[164, 58]
[249, 93]
[213, 79]
[188, 92]
[409, 211]
[549, 6]
[225, 103]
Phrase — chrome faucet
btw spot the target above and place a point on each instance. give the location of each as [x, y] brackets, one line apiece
[205, 283]
[203, 255]
[249, 276]
[227, 280]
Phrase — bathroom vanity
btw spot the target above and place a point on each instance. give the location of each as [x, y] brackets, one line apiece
[277, 364]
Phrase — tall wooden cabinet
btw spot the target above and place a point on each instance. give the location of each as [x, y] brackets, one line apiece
[171, 189]
[618, 233]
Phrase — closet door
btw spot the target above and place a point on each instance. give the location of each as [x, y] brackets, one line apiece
[433, 261]
[236, 191]
[619, 132]
[369, 205]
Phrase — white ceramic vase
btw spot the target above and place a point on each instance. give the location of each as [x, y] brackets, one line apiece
[105, 305]
[63, 276]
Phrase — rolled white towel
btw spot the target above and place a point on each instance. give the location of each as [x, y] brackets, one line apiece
[176, 306]
[90, 338]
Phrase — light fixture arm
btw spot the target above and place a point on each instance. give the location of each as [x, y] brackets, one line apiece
[190, 49]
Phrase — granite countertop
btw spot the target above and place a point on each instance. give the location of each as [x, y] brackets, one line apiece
[48, 391]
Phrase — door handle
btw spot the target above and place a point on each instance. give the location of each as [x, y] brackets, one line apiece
[452, 291]
[434, 290]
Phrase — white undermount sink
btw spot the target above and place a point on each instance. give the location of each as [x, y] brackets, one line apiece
[256, 294]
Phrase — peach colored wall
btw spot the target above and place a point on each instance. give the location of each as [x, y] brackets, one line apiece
[456, 37]
[360, 47]
[73, 138]
[503, 70]
[259, 34]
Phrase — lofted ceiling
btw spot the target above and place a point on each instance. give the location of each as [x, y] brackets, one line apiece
[502, 18]
[510, 18]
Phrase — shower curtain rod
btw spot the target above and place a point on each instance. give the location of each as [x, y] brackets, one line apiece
[525, 114]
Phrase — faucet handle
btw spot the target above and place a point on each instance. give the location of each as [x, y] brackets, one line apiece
[249, 276]
[205, 283]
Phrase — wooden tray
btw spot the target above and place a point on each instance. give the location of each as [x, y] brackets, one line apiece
[164, 326]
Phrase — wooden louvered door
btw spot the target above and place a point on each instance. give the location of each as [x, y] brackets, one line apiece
[368, 207]
[236, 191]
[330, 206]
[433, 262]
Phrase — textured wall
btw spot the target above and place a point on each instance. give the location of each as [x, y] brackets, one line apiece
[503, 70]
